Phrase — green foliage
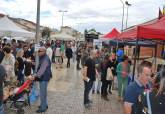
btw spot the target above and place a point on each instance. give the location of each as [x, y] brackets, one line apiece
[46, 32]
[85, 31]
[93, 30]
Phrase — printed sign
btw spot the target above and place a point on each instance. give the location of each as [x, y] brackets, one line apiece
[37, 46]
[98, 43]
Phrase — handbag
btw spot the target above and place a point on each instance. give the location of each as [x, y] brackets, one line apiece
[34, 95]
[109, 74]
[83, 75]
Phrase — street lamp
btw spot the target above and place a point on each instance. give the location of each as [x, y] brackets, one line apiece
[37, 33]
[122, 16]
[78, 26]
[38, 21]
[63, 11]
[127, 4]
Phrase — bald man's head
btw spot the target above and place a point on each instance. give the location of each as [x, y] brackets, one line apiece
[41, 51]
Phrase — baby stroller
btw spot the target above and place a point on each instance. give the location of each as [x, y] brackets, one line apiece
[19, 97]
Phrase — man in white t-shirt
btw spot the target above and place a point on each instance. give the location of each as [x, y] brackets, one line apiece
[49, 51]
[58, 57]
[74, 51]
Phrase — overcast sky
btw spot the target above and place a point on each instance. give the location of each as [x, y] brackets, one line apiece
[103, 15]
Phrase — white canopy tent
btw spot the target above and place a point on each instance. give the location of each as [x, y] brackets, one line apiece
[81, 39]
[62, 36]
[17, 38]
[23, 39]
[9, 28]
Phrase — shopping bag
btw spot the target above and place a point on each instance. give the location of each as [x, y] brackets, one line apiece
[109, 74]
[83, 74]
[34, 95]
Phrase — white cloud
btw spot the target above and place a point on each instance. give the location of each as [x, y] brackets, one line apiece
[100, 14]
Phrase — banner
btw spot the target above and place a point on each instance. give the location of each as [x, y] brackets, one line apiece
[97, 42]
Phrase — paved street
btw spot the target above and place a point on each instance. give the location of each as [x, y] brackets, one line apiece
[65, 96]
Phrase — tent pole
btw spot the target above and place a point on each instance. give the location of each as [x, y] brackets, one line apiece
[138, 51]
[155, 56]
[135, 60]
[117, 44]
[163, 54]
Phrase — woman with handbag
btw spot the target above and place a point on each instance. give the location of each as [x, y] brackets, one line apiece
[113, 65]
[103, 68]
[19, 66]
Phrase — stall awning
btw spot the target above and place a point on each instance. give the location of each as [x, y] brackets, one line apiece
[111, 34]
[155, 30]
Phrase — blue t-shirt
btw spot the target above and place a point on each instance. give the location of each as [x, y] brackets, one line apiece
[119, 54]
[133, 91]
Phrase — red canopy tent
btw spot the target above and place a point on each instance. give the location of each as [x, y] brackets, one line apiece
[129, 34]
[155, 30]
[114, 33]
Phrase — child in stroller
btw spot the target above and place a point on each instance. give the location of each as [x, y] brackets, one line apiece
[18, 97]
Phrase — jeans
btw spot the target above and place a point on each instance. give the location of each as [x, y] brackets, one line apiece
[20, 77]
[1, 109]
[98, 82]
[62, 60]
[88, 87]
[43, 95]
[109, 85]
[78, 63]
[68, 62]
[74, 56]
[53, 57]
[58, 60]
[122, 85]
[104, 88]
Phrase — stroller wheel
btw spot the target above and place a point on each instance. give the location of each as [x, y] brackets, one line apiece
[20, 111]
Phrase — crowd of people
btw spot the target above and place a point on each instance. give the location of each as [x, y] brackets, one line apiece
[100, 69]
[144, 95]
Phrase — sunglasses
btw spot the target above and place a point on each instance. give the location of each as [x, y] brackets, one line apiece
[40, 51]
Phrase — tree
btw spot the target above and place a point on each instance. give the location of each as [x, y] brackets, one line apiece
[85, 31]
[46, 33]
[93, 30]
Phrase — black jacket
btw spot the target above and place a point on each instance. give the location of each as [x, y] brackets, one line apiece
[68, 52]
